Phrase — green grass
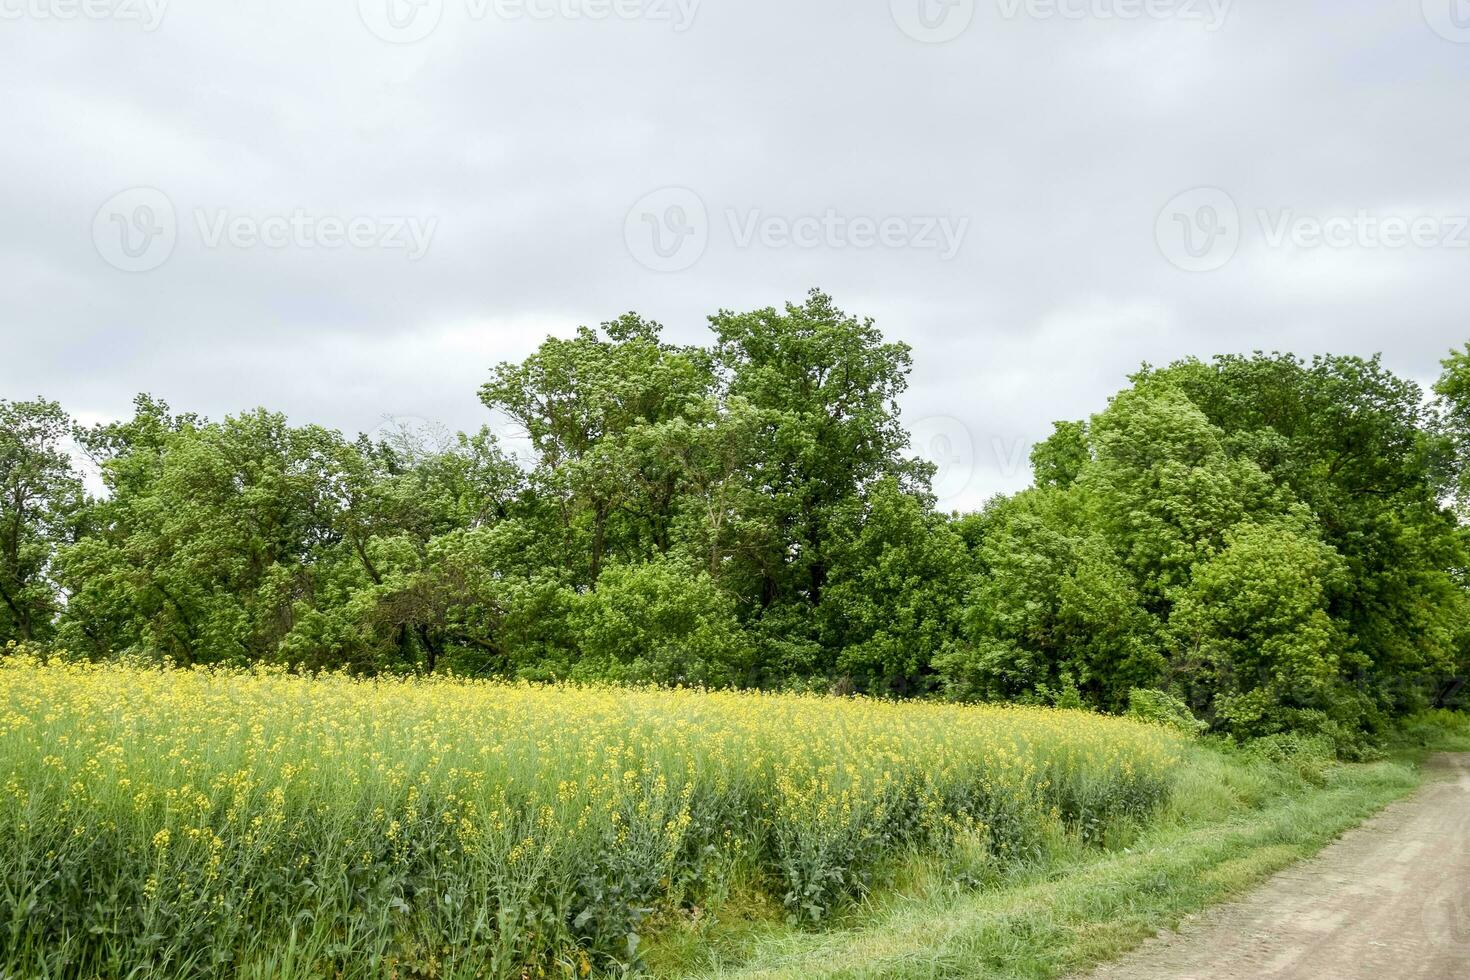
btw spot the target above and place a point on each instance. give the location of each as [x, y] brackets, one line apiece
[256, 824]
[224, 823]
[1236, 818]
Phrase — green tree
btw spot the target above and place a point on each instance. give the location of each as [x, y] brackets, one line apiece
[1262, 534]
[898, 581]
[662, 621]
[824, 386]
[1360, 448]
[581, 401]
[1164, 490]
[1453, 423]
[1058, 460]
[382, 596]
[206, 537]
[1256, 647]
[40, 497]
[1054, 611]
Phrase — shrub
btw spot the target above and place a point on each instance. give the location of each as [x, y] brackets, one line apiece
[659, 622]
[1162, 708]
[1306, 756]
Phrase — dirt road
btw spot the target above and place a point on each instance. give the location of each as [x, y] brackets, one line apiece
[1389, 901]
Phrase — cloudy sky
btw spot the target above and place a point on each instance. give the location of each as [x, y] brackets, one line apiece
[349, 210]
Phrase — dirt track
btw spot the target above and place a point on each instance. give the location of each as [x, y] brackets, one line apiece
[1389, 901]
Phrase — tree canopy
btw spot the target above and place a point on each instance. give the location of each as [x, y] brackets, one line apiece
[1275, 541]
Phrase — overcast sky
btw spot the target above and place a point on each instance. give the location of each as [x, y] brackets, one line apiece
[346, 210]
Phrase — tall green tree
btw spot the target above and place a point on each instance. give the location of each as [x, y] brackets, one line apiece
[583, 402]
[1255, 643]
[205, 539]
[1264, 535]
[825, 387]
[40, 497]
[1055, 611]
[898, 582]
[1359, 447]
[1453, 424]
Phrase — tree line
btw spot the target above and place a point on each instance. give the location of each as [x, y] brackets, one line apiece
[1275, 541]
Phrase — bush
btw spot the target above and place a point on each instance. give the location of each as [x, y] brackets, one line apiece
[1447, 730]
[660, 622]
[1306, 756]
[1162, 708]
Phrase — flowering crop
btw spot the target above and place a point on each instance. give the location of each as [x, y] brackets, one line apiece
[259, 823]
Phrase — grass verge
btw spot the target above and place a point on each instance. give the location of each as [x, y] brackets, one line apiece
[1237, 817]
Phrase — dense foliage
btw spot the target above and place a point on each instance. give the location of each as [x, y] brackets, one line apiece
[216, 822]
[1275, 542]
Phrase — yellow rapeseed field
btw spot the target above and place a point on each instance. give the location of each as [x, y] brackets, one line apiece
[216, 822]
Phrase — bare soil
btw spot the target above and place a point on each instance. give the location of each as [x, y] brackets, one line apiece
[1387, 901]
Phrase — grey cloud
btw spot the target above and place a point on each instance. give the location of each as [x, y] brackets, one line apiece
[529, 140]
